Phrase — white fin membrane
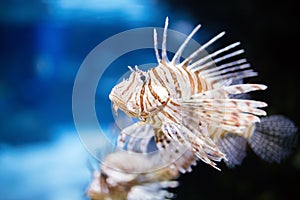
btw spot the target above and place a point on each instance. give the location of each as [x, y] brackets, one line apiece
[234, 146]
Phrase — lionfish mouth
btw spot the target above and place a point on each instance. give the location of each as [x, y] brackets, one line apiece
[119, 103]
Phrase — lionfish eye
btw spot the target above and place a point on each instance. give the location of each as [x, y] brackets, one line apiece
[143, 78]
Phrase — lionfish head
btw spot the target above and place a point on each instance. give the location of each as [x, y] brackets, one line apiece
[126, 95]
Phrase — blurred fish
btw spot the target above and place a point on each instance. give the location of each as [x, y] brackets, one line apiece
[127, 176]
[190, 105]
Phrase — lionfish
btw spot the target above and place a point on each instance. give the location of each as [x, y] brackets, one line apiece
[127, 176]
[198, 105]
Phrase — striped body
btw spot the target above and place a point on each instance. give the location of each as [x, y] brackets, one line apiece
[155, 100]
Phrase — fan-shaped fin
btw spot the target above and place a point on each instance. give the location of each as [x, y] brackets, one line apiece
[273, 138]
[200, 144]
[233, 115]
[135, 138]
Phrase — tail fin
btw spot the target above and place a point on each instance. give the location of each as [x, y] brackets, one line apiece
[273, 138]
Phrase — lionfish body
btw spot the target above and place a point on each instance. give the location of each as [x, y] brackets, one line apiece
[190, 102]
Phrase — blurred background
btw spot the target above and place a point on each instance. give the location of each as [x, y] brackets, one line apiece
[44, 42]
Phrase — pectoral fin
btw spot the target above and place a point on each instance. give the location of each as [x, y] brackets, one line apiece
[233, 115]
[136, 137]
[182, 138]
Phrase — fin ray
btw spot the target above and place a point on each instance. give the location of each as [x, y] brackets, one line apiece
[231, 114]
[212, 55]
[164, 57]
[177, 55]
[156, 46]
[193, 55]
